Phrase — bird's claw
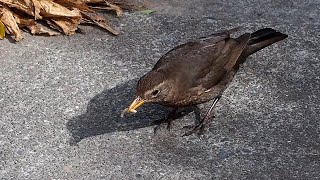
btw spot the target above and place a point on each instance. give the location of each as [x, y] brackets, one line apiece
[159, 125]
[194, 129]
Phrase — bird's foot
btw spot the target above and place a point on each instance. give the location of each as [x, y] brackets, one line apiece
[160, 123]
[191, 129]
[171, 116]
[199, 129]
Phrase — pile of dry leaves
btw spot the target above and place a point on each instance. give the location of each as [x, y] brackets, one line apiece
[52, 17]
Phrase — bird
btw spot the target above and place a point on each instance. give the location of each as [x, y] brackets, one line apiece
[199, 71]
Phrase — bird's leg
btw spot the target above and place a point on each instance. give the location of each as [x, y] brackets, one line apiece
[206, 119]
[171, 116]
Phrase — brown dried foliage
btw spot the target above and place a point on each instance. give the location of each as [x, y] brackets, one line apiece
[61, 16]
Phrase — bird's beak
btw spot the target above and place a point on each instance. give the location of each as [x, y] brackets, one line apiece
[135, 104]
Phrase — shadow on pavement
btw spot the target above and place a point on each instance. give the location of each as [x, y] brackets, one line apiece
[103, 114]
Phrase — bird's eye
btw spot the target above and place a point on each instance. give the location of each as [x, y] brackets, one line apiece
[155, 92]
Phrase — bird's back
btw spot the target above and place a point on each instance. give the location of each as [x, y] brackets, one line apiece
[202, 69]
[201, 62]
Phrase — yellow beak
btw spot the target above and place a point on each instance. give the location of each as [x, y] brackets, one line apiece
[135, 104]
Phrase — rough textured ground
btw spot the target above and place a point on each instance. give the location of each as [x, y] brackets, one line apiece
[61, 98]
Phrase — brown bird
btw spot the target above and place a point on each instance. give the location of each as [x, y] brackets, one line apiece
[199, 71]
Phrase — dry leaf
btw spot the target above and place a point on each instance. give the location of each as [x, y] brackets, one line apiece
[115, 8]
[67, 25]
[33, 26]
[114, 5]
[93, 1]
[24, 6]
[7, 18]
[100, 21]
[36, 9]
[23, 21]
[82, 6]
[2, 30]
[62, 15]
[119, 13]
[128, 5]
[54, 26]
[39, 29]
[52, 9]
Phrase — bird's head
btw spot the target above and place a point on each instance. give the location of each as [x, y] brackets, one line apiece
[154, 87]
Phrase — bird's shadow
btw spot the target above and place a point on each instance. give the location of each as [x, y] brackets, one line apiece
[103, 114]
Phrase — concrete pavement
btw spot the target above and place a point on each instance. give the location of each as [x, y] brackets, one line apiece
[61, 99]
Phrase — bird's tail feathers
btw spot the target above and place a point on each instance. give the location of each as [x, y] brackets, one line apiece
[263, 38]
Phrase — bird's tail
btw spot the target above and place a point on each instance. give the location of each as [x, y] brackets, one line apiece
[261, 39]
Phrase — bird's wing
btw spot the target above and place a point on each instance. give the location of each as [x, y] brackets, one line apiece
[235, 53]
[179, 53]
[229, 55]
[202, 63]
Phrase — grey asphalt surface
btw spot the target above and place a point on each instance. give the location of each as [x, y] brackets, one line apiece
[61, 99]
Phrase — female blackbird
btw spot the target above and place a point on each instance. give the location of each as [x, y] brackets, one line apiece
[199, 71]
